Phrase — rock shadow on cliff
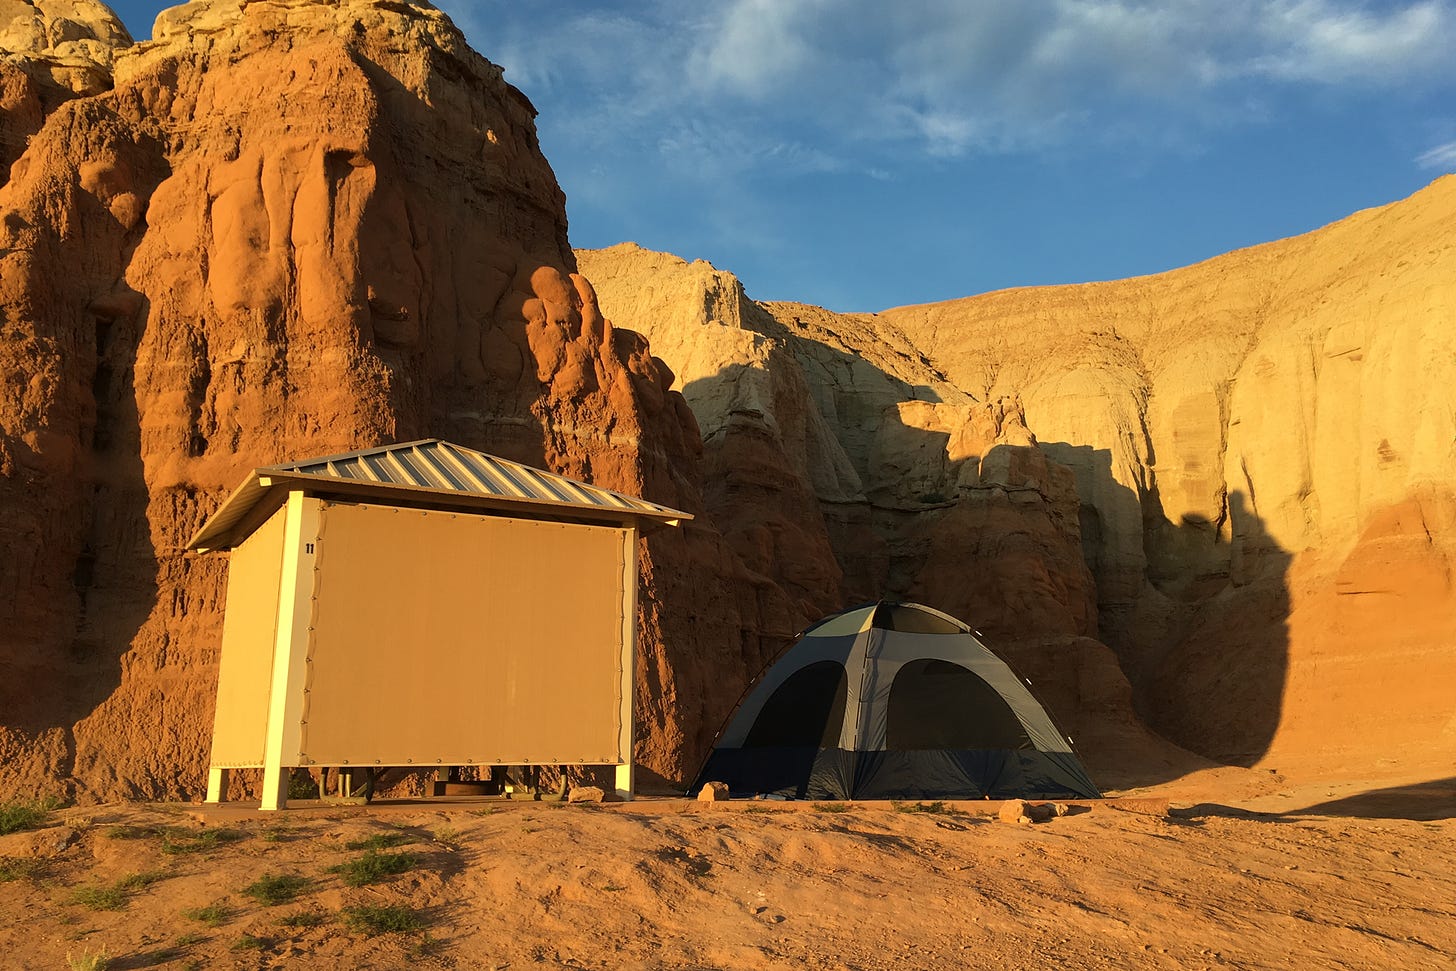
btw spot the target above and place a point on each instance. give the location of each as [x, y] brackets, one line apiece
[1198, 611]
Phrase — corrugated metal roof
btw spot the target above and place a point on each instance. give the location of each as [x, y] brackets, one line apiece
[421, 470]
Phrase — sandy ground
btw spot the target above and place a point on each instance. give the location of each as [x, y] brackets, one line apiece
[1324, 876]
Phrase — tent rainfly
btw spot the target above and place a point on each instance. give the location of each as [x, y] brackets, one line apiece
[893, 701]
[424, 605]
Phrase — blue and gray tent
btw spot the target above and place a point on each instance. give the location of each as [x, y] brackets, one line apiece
[893, 701]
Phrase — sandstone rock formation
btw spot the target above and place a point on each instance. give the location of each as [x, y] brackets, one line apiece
[923, 491]
[291, 228]
[50, 51]
[1223, 496]
[1263, 449]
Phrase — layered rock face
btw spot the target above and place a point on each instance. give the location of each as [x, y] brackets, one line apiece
[1262, 451]
[292, 228]
[50, 51]
[839, 451]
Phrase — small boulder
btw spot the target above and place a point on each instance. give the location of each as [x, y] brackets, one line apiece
[714, 792]
[1014, 811]
[1041, 812]
[585, 794]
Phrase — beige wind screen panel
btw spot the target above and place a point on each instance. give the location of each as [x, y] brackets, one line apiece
[250, 629]
[461, 639]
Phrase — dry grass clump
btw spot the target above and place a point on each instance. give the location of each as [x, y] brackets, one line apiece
[86, 961]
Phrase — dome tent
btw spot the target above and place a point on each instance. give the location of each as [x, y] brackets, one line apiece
[893, 701]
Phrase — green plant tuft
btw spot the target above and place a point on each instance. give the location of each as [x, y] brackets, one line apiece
[831, 807]
[176, 840]
[449, 836]
[21, 867]
[100, 898]
[271, 889]
[133, 832]
[936, 808]
[24, 814]
[249, 942]
[386, 919]
[139, 881]
[373, 867]
[213, 915]
[302, 785]
[304, 919]
[381, 841]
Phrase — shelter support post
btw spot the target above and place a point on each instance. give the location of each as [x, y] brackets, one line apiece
[275, 791]
[217, 784]
[624, 772]
[295, 607]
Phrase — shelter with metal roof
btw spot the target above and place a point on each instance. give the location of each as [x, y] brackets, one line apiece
[424, 605]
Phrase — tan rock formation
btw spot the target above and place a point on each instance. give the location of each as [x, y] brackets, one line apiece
[1251, 433]
[50, 51]
[296, 227]
[919, 485]
[1264, 455]
[924, 492]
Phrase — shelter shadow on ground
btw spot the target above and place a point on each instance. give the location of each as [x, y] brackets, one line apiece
[1421, 801]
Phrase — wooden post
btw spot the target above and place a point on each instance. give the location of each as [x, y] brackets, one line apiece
[217, 784]
[624, 780]
[295, 606]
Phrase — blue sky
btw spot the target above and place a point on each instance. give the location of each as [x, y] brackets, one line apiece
[861, 154]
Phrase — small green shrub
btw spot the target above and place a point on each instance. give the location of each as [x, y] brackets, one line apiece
[449, 836]
[177, 840]
[381, 841]
[386, 919]
[302, 785]
[213, 915]
[189, 939]
[139, 881]
[21, 867]
[373, 867]
[831, 807]
[24, 814]
[271, 889]
[304, 919]
[249, 942]
[936, 808]
[100, 898]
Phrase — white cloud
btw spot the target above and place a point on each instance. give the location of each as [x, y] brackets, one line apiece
[822, 81]
[1440, 157]
[1340, 43]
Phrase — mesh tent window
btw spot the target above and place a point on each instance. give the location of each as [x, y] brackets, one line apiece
[807, 710]
[936, 704]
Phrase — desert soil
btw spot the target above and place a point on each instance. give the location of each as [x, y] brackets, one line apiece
[1314, 877]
